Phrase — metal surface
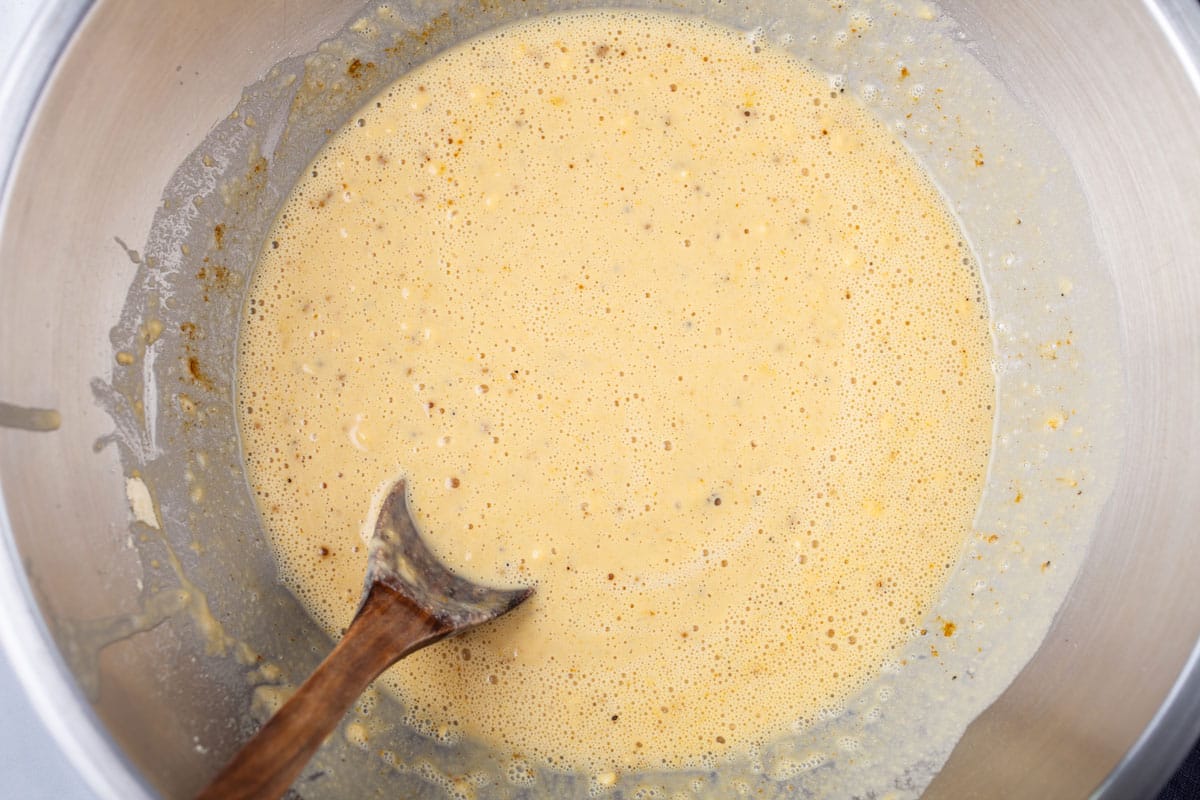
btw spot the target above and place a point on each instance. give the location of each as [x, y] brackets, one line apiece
[1165, 742]
[1113, 89]
[33, 657]
[101, 130]
[140, 85]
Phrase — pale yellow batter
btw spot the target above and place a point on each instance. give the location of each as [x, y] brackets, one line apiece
[656, 322]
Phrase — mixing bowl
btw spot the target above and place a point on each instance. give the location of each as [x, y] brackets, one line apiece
[108, 99]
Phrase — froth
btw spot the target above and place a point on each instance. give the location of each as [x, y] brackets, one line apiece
[654, 321]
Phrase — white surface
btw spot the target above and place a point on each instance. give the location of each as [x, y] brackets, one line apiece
[14, 19]
[31, 765]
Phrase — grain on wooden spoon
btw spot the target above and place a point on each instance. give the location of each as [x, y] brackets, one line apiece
[410, 600]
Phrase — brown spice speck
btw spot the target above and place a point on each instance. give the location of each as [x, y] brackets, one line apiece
[193, 365]
[216, 278]
[356, 68]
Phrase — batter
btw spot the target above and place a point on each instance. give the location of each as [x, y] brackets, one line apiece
[653, 321]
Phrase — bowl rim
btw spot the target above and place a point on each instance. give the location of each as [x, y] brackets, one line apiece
[1175, 728]
[32, 652]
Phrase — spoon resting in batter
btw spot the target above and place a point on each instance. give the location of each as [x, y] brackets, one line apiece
[410, 600]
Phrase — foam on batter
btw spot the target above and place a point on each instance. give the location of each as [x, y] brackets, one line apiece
[655, 321]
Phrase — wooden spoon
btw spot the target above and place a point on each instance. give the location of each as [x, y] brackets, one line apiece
[410, 600]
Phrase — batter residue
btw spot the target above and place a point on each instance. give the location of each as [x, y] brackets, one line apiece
[651, 319]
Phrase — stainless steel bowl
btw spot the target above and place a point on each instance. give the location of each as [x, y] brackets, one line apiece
[107, 98]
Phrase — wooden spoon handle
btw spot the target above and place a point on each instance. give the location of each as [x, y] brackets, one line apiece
[387, 627]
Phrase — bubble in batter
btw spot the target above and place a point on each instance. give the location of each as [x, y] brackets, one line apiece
[655, 321]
